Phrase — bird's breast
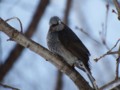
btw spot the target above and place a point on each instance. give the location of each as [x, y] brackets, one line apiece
[57, 47]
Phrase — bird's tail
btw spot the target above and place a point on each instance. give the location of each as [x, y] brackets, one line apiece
[81, 65]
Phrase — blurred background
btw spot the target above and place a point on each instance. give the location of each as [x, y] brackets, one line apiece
[92, 20]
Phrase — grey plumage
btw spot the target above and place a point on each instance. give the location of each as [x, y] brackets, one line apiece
[63, 41]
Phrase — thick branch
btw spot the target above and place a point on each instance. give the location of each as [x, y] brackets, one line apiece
[40, 50]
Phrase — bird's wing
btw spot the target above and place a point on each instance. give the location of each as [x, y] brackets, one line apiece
[73, 44]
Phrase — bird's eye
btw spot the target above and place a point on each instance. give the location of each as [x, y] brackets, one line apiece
[56, 23]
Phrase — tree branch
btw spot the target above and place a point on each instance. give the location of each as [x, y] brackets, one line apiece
[7, 86]
[117, 5]
[40, 50]
[111, 85]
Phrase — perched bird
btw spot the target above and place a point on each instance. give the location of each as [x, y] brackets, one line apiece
[63, 41]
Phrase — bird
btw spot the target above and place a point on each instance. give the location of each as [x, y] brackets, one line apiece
[61, 40]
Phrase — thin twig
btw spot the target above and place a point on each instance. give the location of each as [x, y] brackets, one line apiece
[87, 34]
[109, 52]
[103, 33]
[106, 20]
[117, 64]
[115, 45]
[20, 25]
[117, 68]
[7, 86]
[21, 28]
[117, 5]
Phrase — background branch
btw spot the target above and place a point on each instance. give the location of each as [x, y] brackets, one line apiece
[59, 83]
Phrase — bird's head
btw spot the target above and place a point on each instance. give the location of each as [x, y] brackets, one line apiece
[56, 24]
[54, 21]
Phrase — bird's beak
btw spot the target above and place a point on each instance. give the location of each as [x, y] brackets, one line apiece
[59, 22]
